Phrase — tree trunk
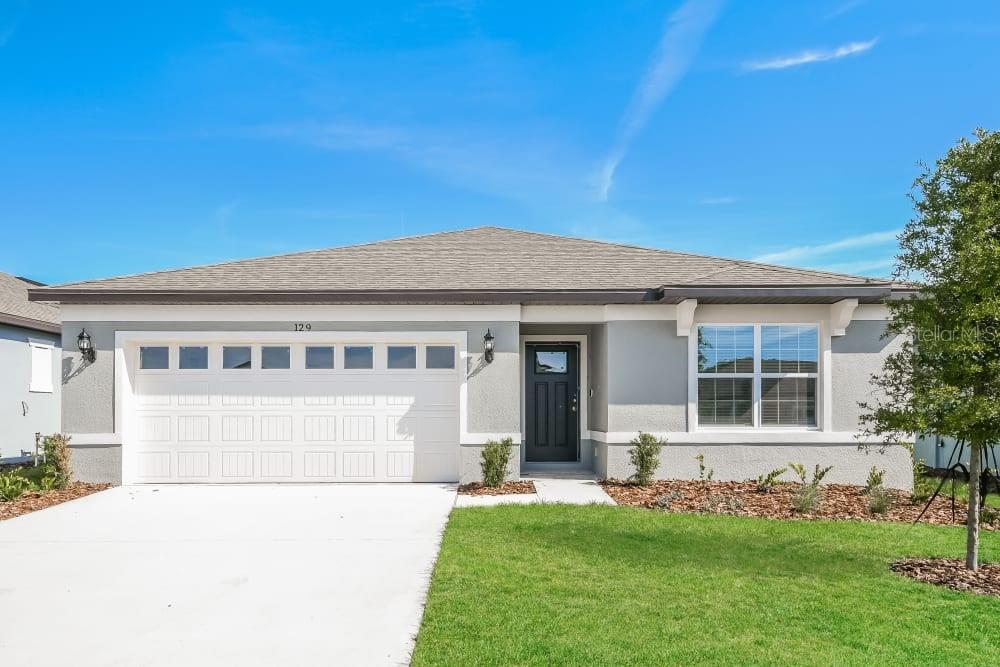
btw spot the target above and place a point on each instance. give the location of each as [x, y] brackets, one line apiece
[972, 523]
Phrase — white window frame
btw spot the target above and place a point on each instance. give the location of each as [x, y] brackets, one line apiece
[756, 376]
[44, 384]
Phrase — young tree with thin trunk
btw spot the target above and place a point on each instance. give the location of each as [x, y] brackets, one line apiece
[945, 379]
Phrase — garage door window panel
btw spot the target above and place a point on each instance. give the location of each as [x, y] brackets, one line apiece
[154, 358]
[359, 357]
[236, 357]
[439, 357]
[401, 357]
[319, 357]
[192, 357]
[275, 358]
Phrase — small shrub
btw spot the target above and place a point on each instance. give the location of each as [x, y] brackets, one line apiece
[879, 499]
[767, 482]
[807, 498]
[50, 480]
[494, 461]
[989, 515]
[666, 501]
[714, 504]
[56, 449]
[818, 473]
[645, 457]
[13, 485]
[875, 479]
[923, 486]
[704, 474]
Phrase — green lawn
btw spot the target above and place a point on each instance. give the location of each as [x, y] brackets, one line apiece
[551, 584]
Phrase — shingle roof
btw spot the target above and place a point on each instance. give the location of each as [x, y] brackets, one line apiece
[16, 309]
[484, 259]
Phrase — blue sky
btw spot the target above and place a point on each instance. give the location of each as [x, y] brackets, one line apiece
[136, 138]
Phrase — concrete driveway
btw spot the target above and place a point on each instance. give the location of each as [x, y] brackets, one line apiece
[201, 575]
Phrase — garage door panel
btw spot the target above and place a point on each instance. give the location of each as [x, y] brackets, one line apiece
[213, 425]
[237, 465]
[319, 428]
[359, 464]
[358, 428]
[193, 466]
[276, 465]
[319, 464]
[237, 428]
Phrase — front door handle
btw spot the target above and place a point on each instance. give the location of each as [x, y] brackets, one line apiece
[572, 405]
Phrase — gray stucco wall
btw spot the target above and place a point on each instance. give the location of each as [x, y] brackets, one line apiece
[747, 461]
[24, 412]
[647, 376]
[856, 356]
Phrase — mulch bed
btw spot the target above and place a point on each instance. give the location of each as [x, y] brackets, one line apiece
[840, 501]
[951, 572]
[38, 500]
[506, 489]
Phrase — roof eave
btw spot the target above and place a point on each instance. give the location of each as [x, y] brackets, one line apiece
[777, 294]
[30, 323]
[212, 297]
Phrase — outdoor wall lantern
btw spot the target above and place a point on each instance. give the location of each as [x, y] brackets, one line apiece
[488, 347]
[85, 346]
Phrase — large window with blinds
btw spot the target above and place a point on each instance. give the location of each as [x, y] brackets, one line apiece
[757, 374]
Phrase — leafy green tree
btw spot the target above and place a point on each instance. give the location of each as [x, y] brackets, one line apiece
[946, 377]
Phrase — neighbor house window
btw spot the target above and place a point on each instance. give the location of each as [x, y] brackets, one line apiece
[275, 357]
[359, 357]
[319, 357]
[236, 357]
[193, 357]
[401, 356]
[735, 374]
[154, 358]
[440, 356]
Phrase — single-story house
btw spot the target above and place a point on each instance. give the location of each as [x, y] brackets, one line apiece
[399, 360]
[30, 381]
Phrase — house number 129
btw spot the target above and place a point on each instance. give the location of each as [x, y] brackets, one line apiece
[302, 326]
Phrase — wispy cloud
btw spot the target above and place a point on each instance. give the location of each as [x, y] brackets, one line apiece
[844, 7]
[875, 267]
[811, 56]
[678, 45]
[521, 165]
[717, 201]
[808, 252]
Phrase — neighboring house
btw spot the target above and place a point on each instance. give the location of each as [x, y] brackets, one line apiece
[30, 375]
[399, 360]
[941, 453]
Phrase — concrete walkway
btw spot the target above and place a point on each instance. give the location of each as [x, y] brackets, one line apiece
[572, 490]
[210, 575]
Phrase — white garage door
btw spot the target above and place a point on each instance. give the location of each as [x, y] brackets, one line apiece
[331, 409]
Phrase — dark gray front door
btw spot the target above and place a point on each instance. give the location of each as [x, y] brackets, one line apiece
[551, 411]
